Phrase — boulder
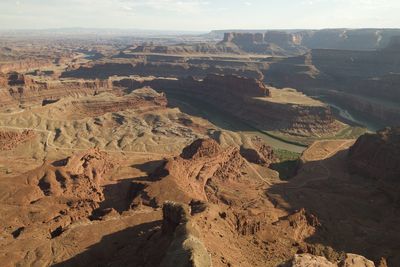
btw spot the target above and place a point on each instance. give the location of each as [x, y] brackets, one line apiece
[308, 260]
[353, 260]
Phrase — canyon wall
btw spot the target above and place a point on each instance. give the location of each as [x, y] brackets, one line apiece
[24, 65]
[19, 89]
[271, 42]
[247, 99]
[343, 39]
[163, 69]
[363, 81]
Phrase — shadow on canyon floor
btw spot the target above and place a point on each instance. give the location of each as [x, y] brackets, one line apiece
[117, 196]
[141, 245]
[356, 215]
[149, 167]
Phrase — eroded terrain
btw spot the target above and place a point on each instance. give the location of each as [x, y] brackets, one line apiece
[197, 154]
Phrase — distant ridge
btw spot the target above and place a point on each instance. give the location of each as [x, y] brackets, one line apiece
[298, 40]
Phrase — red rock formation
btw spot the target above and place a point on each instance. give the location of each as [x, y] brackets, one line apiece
[259, 154]
[308, 260]
[194, 174]
[186, 249]
[27, 89]
[205, 175]
[3, 80]
[48, 199]
[201, 148]
[144, 99]
[10, 140]
[235, 85]
[24, 65]
[78, 176]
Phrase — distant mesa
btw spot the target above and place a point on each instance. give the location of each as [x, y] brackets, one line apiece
[273, 42]
[297, 41]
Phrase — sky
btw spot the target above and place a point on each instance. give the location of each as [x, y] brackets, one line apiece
[199, 15]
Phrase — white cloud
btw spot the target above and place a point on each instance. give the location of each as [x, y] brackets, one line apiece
[166, 5]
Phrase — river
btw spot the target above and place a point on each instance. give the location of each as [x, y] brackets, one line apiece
[227, 121]
[352, 116]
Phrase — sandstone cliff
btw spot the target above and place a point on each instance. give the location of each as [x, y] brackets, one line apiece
[21, 89]
[298, 41]
[365, 82]
[271, 42]
[159, 69]
[24, 65]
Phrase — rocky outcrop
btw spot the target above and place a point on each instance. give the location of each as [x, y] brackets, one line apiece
[78, 176]
[3, 80]
[21, 89]
[174, 215]
[158, 68]
[353, 260]
[58, 193]
[201, 148]
[226, 196]
[141, 100]
[10, 140]
[258, 153]
[377, 155]
[309, 260]
[204, 48]
[24, 65]
[238, 86]
[195, 174]
[186, 249]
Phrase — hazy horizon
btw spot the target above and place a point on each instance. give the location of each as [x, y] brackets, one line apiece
[197, 15]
